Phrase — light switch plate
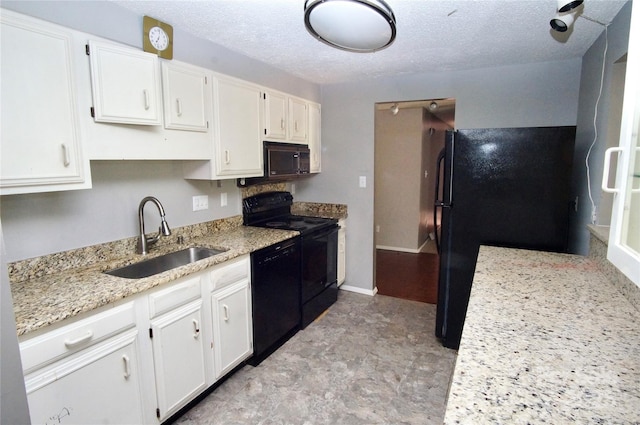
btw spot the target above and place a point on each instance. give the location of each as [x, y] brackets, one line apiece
[223, 199]
[363, 181]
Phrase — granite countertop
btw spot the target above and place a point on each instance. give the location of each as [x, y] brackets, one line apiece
[314, 209]
[547, 339]
[52, 288]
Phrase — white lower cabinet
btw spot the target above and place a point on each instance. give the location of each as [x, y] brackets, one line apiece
[178, 357]
[231, 308]
[342, 251]
[100, 385]
[86, 372]
[143, 360]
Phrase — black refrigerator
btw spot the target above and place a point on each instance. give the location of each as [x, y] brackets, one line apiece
[506, 187]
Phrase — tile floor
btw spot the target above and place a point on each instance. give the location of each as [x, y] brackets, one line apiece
[368, 360]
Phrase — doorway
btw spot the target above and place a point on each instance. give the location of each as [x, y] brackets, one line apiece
[408, 137]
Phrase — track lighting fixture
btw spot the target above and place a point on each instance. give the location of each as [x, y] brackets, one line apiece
[566, 15]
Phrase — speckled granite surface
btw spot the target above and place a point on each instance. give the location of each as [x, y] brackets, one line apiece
[337, 211]
[598, 246]
[51, 288]
[547, 339]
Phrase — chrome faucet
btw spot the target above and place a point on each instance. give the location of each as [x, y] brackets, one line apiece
[144, 241]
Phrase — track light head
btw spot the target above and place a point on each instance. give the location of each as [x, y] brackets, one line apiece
[562, 22]
[568, 5]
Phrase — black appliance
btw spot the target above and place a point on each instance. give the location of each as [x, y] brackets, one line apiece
[319, 236]
[275, 296]
[504, 187]
[282, 162]
[285, 159]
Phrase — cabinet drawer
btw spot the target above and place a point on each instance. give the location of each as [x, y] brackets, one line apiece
[174, 296]
[76, 336]
[230, 272]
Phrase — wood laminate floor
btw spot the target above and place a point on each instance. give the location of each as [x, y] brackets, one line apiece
[408, 276]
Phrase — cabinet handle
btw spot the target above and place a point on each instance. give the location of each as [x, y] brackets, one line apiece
[295, 125]
[127, 370]
[605, 171]
[146, 99]
[227, 156]
[178, 107]
[70, 343]
[226, 312]
[196, 329]
[282, 123]
[65, 155]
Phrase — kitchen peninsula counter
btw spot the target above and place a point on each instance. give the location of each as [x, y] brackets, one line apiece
[51, 288]
[547, 339]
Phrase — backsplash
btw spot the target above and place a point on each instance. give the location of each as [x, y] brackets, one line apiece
[87, 256]
[598, 252]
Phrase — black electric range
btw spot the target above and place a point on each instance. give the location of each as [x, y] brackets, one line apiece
[319, 257]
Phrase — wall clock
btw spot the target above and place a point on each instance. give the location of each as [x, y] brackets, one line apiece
[157, 37]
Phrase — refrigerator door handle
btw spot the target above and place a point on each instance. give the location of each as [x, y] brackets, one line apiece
[437, 202]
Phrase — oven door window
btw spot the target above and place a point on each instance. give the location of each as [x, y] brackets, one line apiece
[320, 262]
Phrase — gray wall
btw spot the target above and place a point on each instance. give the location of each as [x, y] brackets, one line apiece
[618, 40]
[512, 96]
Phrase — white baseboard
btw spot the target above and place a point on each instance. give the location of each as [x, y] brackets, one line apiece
[370, 292]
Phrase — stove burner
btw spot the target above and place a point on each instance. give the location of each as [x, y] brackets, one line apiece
[314, 220]
[276, 224]
[296, 218]
[297, 226]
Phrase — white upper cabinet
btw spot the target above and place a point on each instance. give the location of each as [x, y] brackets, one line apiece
[275, 115]
[237, 146]
[184, 89]
[315, 139]
[126, 85]
[285, 118]
[39, 137]
[624, 238]
[298, 120]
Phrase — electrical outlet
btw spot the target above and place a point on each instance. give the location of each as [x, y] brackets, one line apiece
[200, 202]
[377, 228]
[223, 199]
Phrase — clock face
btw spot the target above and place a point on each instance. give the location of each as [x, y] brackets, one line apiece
[158, 38]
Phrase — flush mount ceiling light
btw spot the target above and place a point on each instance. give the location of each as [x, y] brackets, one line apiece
[566, 15]
[353, 25]
[394, 109]
[433, 106]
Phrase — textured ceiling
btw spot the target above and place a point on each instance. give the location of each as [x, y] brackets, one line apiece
[433, 35]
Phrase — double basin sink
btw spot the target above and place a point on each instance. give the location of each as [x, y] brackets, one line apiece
[164, 262]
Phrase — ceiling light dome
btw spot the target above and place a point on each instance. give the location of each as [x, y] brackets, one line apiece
[352, 25]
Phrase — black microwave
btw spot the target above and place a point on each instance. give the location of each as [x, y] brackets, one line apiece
[285, 159]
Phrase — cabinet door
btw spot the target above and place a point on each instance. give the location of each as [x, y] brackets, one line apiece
[275, 116]
[39, 135]
[624, 238]
[315, 141]
[178, 357]
[184, 90]
[232, 330]
[100, 385]
[238, 143]
[297, 120]
[126, 85]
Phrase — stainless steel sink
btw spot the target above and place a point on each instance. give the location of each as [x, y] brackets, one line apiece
[164, 262]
